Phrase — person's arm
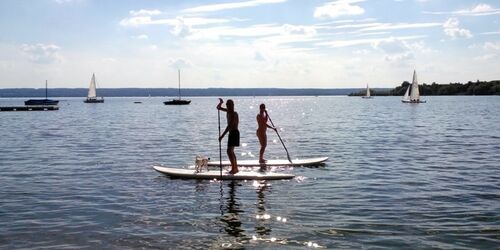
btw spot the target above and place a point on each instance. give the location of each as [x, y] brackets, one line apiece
[228, 127]
[224, 133]
[219, 106]
[269, 126]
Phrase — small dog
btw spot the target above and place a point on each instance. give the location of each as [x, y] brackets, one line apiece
[200, 162]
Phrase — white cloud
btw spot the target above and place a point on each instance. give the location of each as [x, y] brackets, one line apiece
[226, 6]
[259, 56]
[479, 10]
[141, 37]
[338, 8]
[299, 30]
[357, 25]
[42, 53]
[180, 63]
[491, 33]
[361, 52]
[373, 33]
[214, 33]
[391, 46]
[491, 46]
[108, 60]
[371, 41]
[181, 29]
[452, 29]
[396, 50]
[398, 58]
[390, 26]
[485, 57]
[144, 12]
[136, 21]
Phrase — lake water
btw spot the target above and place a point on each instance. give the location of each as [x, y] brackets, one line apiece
[402, 176]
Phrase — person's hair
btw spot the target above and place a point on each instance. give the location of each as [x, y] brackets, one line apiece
[230, 105]
[262, 106]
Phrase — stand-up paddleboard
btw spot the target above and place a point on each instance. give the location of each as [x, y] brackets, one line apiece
[210, 175]
[272, 163]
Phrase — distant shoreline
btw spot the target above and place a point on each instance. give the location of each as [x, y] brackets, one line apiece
[162, 92]
[434, 89]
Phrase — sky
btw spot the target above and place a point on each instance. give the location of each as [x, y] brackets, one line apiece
[247, 43]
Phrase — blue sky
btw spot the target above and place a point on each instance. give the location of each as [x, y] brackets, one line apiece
[247, 43]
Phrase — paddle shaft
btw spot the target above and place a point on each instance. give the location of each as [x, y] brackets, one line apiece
[282, 143]
[220, 146]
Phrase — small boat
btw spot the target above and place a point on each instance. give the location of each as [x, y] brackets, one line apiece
[412, 94]
[367, 95]
[178, 101]
[92, 95]
[42, 102]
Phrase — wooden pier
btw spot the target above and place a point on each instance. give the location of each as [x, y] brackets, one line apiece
[29, 108]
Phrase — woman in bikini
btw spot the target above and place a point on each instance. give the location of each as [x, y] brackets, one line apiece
[262, 119]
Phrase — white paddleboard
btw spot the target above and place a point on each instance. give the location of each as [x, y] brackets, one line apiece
[212, 174]
[272, 163]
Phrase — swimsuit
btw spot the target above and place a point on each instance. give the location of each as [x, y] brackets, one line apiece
[233, 138]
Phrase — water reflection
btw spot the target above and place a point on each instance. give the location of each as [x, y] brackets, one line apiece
[262, 227]
[231, 216]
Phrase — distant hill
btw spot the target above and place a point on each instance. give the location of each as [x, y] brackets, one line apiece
[126, 92]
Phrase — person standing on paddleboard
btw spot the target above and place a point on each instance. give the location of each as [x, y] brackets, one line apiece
[262, 119]
[234, 134]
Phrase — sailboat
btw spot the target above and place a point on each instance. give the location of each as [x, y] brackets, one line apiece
[92, 95]
[412, 94]
[367, 95]
[41, 102]
[178, 101]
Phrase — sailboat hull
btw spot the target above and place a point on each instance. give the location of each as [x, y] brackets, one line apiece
[39, 102]
[94, 100]
[405, 101]
[177, 102]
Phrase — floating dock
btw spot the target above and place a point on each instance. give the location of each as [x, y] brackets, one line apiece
[29, 108]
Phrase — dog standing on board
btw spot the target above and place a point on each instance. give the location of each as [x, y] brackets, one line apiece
[200, 162]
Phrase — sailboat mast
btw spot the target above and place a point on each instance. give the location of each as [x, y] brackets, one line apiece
[45, 89]
[179, 74]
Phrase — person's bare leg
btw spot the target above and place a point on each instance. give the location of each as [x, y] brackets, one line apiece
[263, 144]
[232, 159]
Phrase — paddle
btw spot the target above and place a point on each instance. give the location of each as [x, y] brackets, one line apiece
[220, 147]
[282, 143]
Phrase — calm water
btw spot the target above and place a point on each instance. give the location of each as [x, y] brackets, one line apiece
[399, 175]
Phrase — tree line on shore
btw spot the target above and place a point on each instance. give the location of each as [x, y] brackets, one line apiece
[469, 88]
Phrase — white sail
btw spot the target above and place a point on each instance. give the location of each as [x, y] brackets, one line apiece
[406, 97]
[415, 94]
[92, 87]
[367, 91]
